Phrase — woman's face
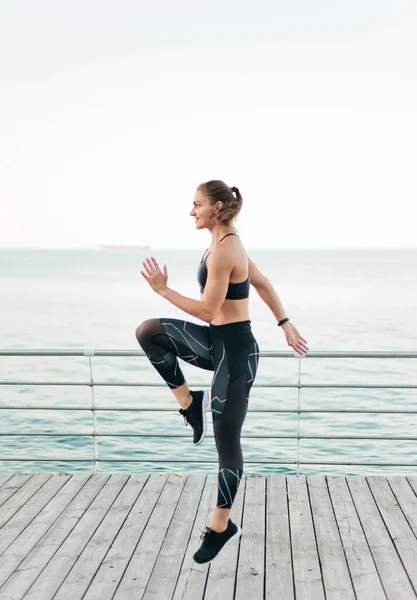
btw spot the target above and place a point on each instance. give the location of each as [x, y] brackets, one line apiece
[202, 211]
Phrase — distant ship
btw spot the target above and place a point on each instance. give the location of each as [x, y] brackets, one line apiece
[121, 247]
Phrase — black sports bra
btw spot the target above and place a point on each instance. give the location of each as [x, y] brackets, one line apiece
[235, 291]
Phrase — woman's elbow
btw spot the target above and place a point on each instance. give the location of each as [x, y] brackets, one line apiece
[209, 313]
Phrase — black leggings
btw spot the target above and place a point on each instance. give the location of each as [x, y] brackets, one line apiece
[232, 352]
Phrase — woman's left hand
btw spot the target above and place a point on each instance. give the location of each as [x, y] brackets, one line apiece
[294, 339]
[154, 276]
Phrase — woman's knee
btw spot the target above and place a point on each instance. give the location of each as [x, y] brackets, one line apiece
[228, 445]
[146, 330]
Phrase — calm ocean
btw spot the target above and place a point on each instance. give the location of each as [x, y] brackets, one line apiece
[338, 299]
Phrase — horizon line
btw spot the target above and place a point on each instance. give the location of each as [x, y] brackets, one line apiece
[127, 249]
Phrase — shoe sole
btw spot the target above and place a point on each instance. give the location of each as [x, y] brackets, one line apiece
[205, 405]
[236, 535]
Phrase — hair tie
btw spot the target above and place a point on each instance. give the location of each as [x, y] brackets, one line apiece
[234, 189]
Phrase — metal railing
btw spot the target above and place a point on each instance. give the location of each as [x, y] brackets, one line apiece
[89, 354]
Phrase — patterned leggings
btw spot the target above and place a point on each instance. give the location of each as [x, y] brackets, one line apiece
[232, 352]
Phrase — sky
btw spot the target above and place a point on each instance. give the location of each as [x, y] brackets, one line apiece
[112, 113]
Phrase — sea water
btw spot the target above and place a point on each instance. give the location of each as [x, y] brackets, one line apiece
[339, 300]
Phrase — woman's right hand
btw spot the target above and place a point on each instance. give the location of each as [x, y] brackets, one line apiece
[294, 339]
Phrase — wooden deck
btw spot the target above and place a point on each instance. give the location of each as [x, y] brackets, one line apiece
[78, 535]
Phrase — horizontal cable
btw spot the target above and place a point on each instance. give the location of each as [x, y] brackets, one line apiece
[381, 411]
[394, 386]
[173, 460]
[269, 354]
[243, 437]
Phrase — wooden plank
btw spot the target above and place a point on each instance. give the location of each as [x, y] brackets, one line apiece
[250, 579]
[401, 533]
[222, 571]
[307, 575]
[278, 563]
[111, 571]
[5, 477]
[192, 579]
[21, 580]
[139, 570]
[20, 520]
[20, 497]
[25, 542]
[412, 480]
[390, 569]
[164, 577]
[406, 499]
[52, 576]
[84, 569]
[366, 582]
[12, 486]
[335, 572]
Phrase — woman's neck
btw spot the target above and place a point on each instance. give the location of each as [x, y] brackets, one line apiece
[218, 235]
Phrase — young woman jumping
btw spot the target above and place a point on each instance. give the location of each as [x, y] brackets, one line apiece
[226, 345]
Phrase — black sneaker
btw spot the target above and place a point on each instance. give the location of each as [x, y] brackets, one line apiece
[214, 542]
[195, 414]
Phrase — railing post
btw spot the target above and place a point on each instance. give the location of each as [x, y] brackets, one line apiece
[90, 353]
[298, 413]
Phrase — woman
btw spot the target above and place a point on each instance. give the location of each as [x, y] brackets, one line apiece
[226, 346]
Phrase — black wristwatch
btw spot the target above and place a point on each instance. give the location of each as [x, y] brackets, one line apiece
[283, 321]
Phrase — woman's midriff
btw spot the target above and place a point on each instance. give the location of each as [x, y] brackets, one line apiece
[231, 311]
